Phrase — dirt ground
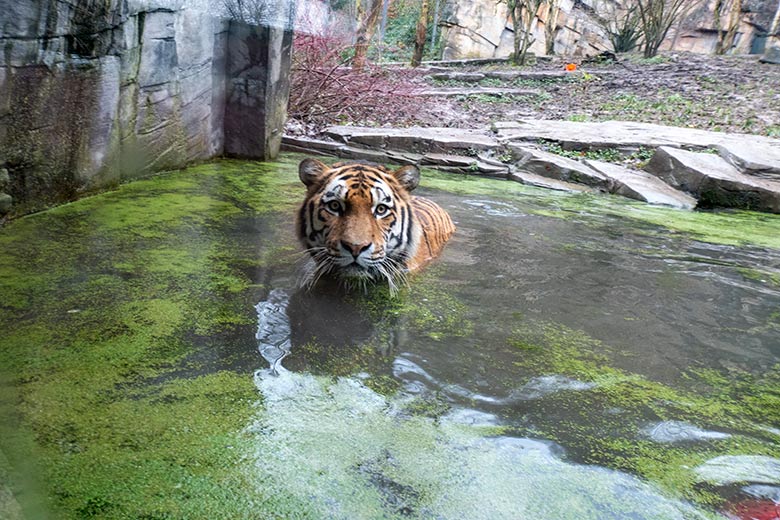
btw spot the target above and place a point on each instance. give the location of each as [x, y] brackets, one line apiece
[728, 94]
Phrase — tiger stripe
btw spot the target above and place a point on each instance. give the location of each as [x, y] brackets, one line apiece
[359, 220]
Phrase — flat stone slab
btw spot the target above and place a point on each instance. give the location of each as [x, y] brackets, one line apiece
[557, 167]
[466, 77]
[464, 164]
[478, 91]
[510, 75]
[712, 180]
[640, 185]
[532, 179]
[742, 176]
[414, 139]
[757, 154]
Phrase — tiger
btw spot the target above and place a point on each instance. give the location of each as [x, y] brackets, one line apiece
[359, 222]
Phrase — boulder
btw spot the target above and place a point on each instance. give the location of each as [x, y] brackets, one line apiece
[713, 181]
[771, 55]
[760, 161]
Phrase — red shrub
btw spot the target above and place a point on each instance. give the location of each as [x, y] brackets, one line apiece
[325, 90]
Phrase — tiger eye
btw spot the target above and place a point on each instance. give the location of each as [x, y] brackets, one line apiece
[380, 210]
[334, 206]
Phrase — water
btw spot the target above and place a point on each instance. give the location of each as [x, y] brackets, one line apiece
[626, 302]
[566, 357]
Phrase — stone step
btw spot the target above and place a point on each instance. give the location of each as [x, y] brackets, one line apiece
[440, 161]
[674, 177]
[714, 181]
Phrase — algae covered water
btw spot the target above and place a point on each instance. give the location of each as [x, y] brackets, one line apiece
[568, 356]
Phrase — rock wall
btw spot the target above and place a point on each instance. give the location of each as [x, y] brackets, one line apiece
[483, 29]
[94, 92]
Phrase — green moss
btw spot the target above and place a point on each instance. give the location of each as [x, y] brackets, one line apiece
[729, 227]
[118, 315]
[425, 305]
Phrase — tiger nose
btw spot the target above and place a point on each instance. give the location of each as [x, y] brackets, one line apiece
[355, 249]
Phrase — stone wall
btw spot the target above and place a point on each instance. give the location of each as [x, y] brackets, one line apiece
[95, 92]
[483, 29]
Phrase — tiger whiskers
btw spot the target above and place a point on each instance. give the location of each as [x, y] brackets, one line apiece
[394, 272]
[320, 264]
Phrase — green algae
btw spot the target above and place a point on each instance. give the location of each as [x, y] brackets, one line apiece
[426, 306]
[115, 395]
[728, 227]
[605, 424]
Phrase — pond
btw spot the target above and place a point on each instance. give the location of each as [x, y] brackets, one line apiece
[568, 356]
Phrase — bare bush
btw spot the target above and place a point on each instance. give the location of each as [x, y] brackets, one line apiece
[657, 17]
[621, 23]
[324, 90]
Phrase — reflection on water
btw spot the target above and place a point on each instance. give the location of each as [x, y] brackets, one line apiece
[349, 452]
[590, 331]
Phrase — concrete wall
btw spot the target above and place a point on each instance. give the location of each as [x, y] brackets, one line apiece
[95, 92]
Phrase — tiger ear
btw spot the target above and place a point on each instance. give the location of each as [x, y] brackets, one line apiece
[311, 170]
[408, 176]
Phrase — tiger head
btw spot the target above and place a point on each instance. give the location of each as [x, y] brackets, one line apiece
[356, 220]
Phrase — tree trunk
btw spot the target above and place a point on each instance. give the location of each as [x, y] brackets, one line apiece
[551, 26]
[435, 24]
[514, 7]
[718, 26]
[734, 18]
[419, 38]
[383, 23]
[368, 17]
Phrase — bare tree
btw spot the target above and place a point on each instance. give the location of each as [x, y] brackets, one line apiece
[657, 17]
[621, 23]
[726, 37]
[552, 10]
[523, 14]
[420, 34]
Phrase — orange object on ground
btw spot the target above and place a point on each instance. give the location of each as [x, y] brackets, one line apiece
[570, 67]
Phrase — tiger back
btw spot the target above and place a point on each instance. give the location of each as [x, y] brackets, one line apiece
[359, 221]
